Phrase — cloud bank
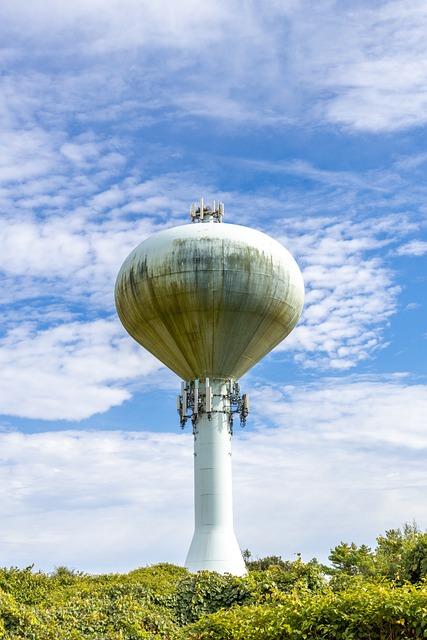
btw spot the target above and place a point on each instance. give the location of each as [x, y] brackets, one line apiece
[337, 449]
[309, 123]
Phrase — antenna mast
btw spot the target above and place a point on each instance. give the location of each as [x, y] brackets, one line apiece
[203, 213]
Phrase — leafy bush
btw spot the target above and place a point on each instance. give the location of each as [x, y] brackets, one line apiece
[207, 592]
[27, 587]
[70, 605]
[376, 594]
[369, 613]
[287, 577]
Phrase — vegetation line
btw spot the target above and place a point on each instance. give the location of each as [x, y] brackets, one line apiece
[364, 594]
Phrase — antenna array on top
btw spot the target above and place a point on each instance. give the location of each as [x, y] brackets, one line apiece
[203, 213]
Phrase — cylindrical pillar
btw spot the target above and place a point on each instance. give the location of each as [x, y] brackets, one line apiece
[214, 546]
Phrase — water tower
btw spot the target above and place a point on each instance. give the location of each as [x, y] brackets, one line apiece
[209, 300]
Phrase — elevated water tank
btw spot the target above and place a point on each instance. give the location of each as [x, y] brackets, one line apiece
[209, 300]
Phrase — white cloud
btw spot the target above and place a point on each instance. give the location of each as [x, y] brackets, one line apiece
[369, 62]
[110, 25]
[100, 502]
[350, 294]
[80, 154]
[67, 237]
[59, 261]
[70, 371]
[351, 65]
[85, 200]
[99, 148]
[25, 155]
[359, 66]
[344, 461]
[414, 248]
[355, 411]
[411, 162]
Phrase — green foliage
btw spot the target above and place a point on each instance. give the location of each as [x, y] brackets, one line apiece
[74, 606]
[371, 613]
[207, 592]
[376, 594]
[391, 550]
[27, 587]
[414, 559]
[400, 556]
[286, 578]
[101, 615]
[251, 622]
[260, 564]
[66, 576]
[352, 560]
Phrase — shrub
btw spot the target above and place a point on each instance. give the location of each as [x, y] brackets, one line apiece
[207, 592]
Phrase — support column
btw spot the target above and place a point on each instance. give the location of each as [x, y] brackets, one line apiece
[214, 546]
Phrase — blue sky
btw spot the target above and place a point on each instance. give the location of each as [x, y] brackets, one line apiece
[310, 124]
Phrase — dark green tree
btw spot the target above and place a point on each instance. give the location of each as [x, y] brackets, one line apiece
[351, 560]
[414, 559]
[394, 552]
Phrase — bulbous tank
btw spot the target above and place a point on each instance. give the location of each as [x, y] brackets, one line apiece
[209, 299]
